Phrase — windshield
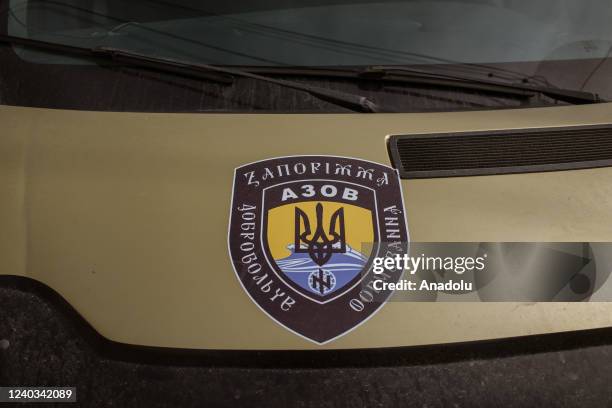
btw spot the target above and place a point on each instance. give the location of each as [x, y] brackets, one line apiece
[563, 43]
[330, 33]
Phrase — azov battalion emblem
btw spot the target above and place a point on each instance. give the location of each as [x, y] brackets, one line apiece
[303, 233]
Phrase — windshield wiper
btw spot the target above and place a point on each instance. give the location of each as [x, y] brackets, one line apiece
[350, 101]
[406, 75]
[566, 95]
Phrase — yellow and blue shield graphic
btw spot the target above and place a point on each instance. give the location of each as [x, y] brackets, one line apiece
[319, 247]
[304, 231]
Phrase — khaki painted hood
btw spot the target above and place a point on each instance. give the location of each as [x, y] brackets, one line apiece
[126, 216]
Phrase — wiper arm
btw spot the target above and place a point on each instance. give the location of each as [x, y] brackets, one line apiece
[350, 101]
[405, 75]
[565, 95]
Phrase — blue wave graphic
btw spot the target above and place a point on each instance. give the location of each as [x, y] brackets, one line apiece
[342, 266]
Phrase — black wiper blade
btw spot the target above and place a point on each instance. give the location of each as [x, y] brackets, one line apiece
[84, 52]
[565, 95]
[350, 101]
[406, 75]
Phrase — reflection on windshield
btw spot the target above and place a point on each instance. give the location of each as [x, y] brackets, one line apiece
[327, 33]
[333, 33]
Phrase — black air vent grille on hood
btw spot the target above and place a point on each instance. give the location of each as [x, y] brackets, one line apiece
[501, 152]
